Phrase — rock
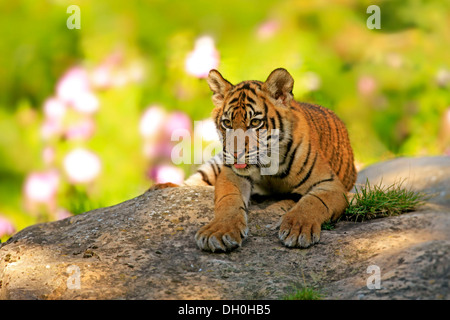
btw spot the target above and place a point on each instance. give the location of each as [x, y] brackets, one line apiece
[144, 248]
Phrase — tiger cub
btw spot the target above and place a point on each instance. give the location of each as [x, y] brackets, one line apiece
[310, 157]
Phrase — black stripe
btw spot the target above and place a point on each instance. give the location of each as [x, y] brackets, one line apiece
[248, 105]
[248, 179]
[250, 100]
[286, 172]
[336, 151]
[205, 177]
[217, 118]
[308, 174]
[257, 84]
[214, 169]
[233, 100]
[306, 159]
[273, 123]
[325, 119]
[218, 167]
[311, 119]
[228, 195]
[310, 194]
[288, 147]
[243, 208]
[281, 127]
[319, 182]
[246, 86]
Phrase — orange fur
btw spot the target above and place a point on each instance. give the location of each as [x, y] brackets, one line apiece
[315, 161]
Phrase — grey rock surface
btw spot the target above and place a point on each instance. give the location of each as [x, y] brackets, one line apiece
[144, 248]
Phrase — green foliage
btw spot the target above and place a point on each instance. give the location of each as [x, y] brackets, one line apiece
[328, 225]
[376, 201]
[304, 293]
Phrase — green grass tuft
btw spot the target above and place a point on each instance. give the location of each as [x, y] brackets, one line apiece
[376, 201]
[304, 293]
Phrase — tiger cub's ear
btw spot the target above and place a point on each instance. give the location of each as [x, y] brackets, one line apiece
[279, 85]
[219, 86]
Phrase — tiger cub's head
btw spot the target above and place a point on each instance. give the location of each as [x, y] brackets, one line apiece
[252, 118]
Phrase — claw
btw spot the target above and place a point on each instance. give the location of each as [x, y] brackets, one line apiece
[283, 234]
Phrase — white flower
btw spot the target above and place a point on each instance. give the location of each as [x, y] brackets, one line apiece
[41, 186]
[73, 83]
[203, 58]
[152, 121]
[86, 102]
[82, 165]
[54, 109]
[312, 81]
[206, 130]
[167, 173]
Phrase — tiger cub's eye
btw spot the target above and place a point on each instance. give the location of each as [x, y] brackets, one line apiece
[255, 122]
[226, 123]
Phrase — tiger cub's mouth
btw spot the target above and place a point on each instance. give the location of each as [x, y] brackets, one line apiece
[240, 165]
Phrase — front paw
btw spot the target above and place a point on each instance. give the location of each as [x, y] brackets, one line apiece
[222, 234]
[297, 230]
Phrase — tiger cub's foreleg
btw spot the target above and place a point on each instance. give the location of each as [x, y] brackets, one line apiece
[229, 226]
[206, 175]
[300, 227]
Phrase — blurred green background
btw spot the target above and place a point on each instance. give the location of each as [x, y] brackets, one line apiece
[84, 112]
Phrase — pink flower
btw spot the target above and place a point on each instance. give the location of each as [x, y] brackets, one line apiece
[177, 120]
[48, 155]
[83, 130]
[203, 58]
[366, 85]
[152, 121]
[6, 227]
[41, 187]
[62, 213]
[82, 165]
[167, 173]
[267, 29]
[161, 149]
[101, 76]
[51, 128]
[74, 88]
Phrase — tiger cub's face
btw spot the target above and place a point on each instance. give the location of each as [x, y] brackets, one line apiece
[249, 117]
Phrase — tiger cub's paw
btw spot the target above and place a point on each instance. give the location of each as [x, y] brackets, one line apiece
[160, 186]
[222, 234]
[299, 231]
